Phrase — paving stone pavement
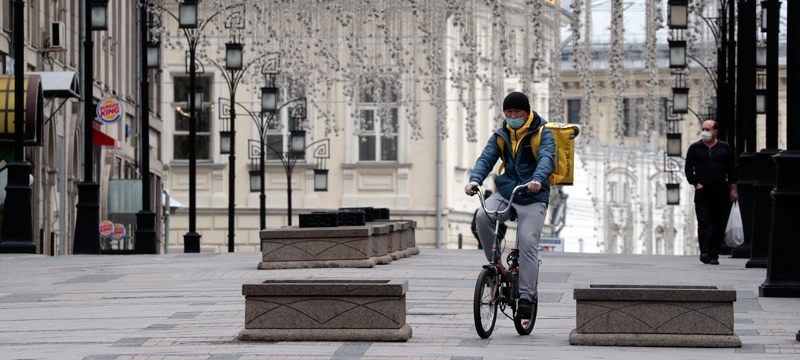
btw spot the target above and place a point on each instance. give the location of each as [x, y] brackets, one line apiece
[185, 306]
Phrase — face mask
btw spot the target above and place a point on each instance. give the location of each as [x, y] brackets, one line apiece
[515, 123]
[706, 135]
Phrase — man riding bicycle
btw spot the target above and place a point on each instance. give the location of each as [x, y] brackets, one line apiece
[520, 168]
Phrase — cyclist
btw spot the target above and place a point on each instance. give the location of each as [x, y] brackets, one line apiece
[520, 168]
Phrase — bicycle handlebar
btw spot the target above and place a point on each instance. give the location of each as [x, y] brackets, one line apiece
[498, 211]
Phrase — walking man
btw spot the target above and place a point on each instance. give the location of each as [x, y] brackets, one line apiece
[711, 169]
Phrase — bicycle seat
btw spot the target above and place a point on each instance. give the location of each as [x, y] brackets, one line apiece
[513, 214]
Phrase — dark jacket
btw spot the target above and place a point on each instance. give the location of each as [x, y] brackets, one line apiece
[713, 167]
[520, 168]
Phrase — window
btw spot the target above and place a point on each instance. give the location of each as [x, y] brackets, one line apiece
[279, 127]
[617, 194]
[574, 111]
[632, 112]
[6, 13]
[661, 121]
[378, 122]
[275, 137]
[181, 135]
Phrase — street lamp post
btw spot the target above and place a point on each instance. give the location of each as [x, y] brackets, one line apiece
[148, 59]
[297, 150]
[746, 123]
[87, 240]
[18, 217]
[269, 109]
[765, 182]
[187, 21]
[233, 72]
[783, 275]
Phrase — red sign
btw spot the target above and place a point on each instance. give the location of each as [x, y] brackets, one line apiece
[106, 228]
[119, 232]
[110, 110]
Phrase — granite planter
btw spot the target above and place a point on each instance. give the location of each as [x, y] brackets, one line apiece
[381, 236]
[408, 238]
[345, 246]
[654, 315]
[396, 245]
[325, 310]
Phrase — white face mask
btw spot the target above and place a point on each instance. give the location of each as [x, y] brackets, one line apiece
[706, 136]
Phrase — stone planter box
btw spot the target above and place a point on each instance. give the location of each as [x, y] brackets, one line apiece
[325, 310]
[381, 237]
[409, 239]
[653, 315]
[345, 246]
[396, 246]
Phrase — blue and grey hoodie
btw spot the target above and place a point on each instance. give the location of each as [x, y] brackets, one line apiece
[520, 166]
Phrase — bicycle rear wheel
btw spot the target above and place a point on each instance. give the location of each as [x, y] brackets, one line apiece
[487, 293]
[525, 326]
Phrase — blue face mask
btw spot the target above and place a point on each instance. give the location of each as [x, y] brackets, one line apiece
[515, 123]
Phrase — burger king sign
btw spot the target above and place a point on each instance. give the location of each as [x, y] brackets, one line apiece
[110, 110]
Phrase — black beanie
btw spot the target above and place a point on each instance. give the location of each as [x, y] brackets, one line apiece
[516, 100]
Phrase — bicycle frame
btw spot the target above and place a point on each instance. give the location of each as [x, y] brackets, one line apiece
[493, 215]
[501, 285]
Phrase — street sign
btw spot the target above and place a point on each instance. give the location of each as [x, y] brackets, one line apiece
[551, 244]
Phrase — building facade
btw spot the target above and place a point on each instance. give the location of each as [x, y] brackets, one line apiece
[405, 97]
[58, 161]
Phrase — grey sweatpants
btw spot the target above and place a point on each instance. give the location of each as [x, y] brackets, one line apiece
[530, 220]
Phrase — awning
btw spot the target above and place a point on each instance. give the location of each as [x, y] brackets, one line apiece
[100, 138]
[173, 203]
[59, 84]
[33, 103]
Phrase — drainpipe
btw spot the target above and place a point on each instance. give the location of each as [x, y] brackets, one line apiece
[438, 191]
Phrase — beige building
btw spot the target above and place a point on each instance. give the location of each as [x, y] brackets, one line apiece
[57, 162]
[388, 88]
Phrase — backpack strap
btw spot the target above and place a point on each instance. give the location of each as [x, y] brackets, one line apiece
[501, 145]
[536, 139]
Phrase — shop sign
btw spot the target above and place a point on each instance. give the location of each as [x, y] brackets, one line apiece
[119, 232]
[106, 228]
[110, 110]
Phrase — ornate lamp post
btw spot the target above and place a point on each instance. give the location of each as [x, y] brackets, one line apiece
[783, 275]
[87, 240]
[188, 22]
[746, 121]
[233, 72]
[18, 221]
[192, 29]
[297, 150]
[149, 59]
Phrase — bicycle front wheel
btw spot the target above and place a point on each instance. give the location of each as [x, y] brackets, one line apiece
[525, 326]
[487, 294]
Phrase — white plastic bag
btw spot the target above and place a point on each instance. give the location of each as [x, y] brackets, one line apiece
[734, 234]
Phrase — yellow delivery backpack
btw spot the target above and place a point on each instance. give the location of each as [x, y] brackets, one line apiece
[564, 164]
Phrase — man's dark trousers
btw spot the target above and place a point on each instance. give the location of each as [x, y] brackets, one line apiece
[712, 205]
